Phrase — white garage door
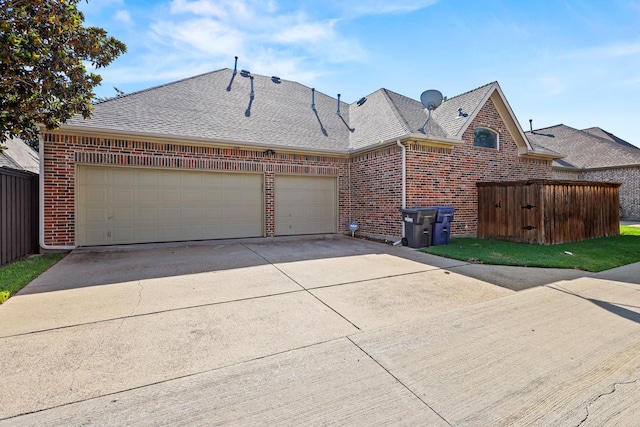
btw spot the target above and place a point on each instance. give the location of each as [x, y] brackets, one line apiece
[119, 205]
[305, 205]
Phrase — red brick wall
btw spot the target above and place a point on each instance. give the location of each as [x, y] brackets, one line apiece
[629, 190]
[370, 184]
[376, 192]
[436, 176]
[63, 152]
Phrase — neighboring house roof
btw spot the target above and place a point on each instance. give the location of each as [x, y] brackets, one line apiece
[585, 149]
[217, 107]
[19, 155]
[596, 131]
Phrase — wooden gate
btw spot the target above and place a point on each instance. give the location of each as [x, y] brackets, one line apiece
[548, 211]
[18, 214]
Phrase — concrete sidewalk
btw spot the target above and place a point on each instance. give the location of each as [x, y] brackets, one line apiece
[316, 331]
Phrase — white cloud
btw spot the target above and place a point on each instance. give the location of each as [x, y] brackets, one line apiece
[124, 17]
[266, 40]
[307, 32]
[381, 7]
[200, 35]
[222, 9]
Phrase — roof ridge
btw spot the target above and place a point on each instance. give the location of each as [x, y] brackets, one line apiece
[403, 121]
[159, 86]
[472, 90]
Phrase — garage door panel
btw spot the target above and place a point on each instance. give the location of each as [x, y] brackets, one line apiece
[121, 176]
[148, 177]
[305, 205]
[99, 195]
[191, 214]
[192, 195]
[122, 234]
[95, 215]
[191, 180]
[149, 234]
[168, 234]
[146, 195]
[147, 214]
[136, 205]
[122, 215]
[170, 215]
[169, 195]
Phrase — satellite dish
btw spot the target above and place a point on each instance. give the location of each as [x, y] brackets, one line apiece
[431, 99]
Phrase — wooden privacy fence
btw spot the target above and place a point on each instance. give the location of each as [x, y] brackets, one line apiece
[18, 214]
[548, 211]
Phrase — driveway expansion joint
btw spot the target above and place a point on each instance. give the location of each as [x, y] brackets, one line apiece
[304, 289]
[400, 382]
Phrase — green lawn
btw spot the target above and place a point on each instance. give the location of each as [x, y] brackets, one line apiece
[17, 275]
[589, 255]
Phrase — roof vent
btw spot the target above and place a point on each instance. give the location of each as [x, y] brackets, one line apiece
[342, 118]
[276, 80]
[461, 114]
[313, 99]
[233, 76]
[361, 101]
[245, 73]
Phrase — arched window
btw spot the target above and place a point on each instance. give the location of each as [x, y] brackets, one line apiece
[486, 138]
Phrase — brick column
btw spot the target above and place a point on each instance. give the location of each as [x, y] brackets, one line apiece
[269, 182]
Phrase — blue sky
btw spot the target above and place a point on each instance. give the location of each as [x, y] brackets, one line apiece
[572, 62]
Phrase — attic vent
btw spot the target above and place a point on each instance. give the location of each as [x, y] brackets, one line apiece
[361, 101]
[276, 80]
[245, 73]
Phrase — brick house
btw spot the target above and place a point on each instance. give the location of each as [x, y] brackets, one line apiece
[594, 155]
[225, 155]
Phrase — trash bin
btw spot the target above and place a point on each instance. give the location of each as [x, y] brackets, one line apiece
[418, 226]
[442, 225]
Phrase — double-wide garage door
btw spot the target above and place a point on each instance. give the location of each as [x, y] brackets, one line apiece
[117, 205]
[121, 205]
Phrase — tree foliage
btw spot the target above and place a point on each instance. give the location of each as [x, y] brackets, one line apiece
[43, 77]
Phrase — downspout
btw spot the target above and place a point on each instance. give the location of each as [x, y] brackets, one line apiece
[41, 202]
[404, 181]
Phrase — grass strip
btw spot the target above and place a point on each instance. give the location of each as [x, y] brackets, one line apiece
[17, 275]
[590, 255]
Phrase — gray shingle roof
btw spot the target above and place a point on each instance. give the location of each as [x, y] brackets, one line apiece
[6, 162]
[203, 108]
[20, 156]
[584, 149]
[470, 102]
[596, 131]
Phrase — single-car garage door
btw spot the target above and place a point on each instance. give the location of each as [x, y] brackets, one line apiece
[120, 205]
[305, 205]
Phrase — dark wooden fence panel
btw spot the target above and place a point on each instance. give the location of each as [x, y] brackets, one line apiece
[547, 211]
[18, 214]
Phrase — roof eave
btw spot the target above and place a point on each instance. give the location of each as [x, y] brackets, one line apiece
[164, 138]
[539, 155]
[431, 140]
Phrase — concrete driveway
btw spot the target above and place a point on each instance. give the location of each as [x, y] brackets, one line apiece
[320, 330]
